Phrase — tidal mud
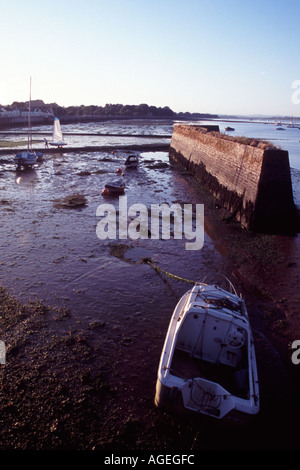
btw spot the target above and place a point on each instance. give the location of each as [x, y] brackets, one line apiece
[84, 320]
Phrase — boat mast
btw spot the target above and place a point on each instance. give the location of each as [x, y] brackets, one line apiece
[29, 143]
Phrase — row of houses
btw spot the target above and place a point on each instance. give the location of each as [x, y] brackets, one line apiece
[19, 117]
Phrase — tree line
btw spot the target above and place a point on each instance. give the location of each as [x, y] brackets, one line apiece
[131, 111]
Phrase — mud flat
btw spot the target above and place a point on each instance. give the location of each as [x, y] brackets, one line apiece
[94, 148]
[84, 320]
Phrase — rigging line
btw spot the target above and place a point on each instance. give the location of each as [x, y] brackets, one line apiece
[156, 268]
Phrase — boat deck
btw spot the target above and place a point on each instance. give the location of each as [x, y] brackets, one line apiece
[235, 381]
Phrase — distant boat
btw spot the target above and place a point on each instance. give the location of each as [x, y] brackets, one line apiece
[57, 137]
[292, 125]
[28, 157]
[229, 129]
[114, 187]
[131, 161]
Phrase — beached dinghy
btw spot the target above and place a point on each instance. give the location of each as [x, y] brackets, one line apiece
[132, 161]
[208, 363]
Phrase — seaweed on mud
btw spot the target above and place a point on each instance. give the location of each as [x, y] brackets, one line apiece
[118, 250]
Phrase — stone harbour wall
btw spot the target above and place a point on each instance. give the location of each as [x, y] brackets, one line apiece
[252, 180]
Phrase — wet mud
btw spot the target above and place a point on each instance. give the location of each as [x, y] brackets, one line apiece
[84, 319]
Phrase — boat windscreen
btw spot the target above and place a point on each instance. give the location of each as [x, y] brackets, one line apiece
[224, 302]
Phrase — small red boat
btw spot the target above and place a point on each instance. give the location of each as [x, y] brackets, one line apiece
[114, 187]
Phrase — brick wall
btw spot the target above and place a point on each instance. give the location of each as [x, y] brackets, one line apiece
[252, 181]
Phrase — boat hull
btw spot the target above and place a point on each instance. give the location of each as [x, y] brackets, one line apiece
[57, 144]
[114, 187]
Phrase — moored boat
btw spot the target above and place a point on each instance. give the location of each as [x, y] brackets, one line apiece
[25, 159]
[131, 161]
[208, 364]
[28, 157]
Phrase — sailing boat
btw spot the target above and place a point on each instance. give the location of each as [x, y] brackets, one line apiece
[28, 157]
[57, 137]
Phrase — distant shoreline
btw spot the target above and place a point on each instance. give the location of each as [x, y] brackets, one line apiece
[7, 123]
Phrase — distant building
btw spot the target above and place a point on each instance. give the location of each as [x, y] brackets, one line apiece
[10, 117]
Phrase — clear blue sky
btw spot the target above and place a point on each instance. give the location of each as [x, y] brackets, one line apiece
[216, 56]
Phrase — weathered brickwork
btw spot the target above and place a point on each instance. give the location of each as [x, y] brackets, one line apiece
[253, 183]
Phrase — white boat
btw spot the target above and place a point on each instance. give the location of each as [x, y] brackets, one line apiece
[28, 157]
[208, 363]
[57, 136]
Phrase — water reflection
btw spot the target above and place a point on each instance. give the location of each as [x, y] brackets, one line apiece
[26, 177]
